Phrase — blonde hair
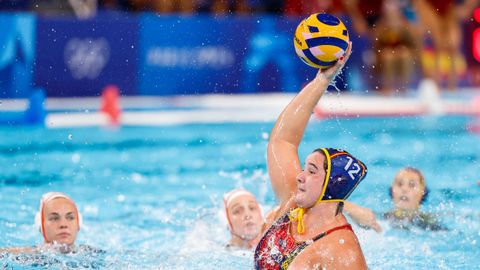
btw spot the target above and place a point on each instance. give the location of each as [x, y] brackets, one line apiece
[415, 171]
[421, 180]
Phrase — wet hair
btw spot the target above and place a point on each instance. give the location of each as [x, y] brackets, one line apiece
[339, 208]
[325, 162]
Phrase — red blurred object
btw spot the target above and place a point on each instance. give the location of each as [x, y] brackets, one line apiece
[476, 14]
[476, 44]
[110, 104]
[307, 7]
[474, 128]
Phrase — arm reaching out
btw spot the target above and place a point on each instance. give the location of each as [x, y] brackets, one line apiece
[362, 216]
[282, 153]
[18, 250]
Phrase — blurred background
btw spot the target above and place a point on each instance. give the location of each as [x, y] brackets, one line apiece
[72, 48]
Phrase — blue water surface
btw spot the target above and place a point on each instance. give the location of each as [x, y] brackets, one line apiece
[151, 197]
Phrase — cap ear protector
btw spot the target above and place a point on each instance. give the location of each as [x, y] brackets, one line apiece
[343, 174]
[422, 200]
[40, 215]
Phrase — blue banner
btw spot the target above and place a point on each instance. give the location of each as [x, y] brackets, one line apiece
[194, 55]
[17, 54]
[270, 63]
[147, 54]
[187, 55]
[79, 58]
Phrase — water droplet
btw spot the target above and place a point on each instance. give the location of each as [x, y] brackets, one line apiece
[136, 177]
[121, 198]
[76, 158]
[341, 241]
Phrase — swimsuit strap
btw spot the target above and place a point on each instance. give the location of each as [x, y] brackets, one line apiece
[345, 226]
[300, 247]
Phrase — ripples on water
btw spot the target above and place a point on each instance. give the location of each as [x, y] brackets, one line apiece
[150, 197]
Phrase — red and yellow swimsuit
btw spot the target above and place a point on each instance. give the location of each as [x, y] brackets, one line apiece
[277, 248]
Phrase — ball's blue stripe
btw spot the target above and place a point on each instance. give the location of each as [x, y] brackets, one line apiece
[313, 29]
[315, 60]
[328, 19]
[313, 42]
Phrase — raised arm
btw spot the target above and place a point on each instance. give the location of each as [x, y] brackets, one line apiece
[282, 153]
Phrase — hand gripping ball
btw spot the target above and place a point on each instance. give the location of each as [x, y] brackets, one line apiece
[320, 40]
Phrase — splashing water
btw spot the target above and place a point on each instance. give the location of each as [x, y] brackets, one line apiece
[150, 197]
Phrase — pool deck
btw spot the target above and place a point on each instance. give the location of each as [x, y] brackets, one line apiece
[157, 111]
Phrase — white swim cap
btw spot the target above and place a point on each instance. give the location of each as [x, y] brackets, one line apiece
[228, 199]
[40, 218]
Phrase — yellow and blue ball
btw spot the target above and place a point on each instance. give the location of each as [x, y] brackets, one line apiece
[320, 40]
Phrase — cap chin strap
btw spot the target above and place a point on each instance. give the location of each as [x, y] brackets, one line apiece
[297, 213]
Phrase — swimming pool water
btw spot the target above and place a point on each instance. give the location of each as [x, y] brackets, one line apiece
[151, 197]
